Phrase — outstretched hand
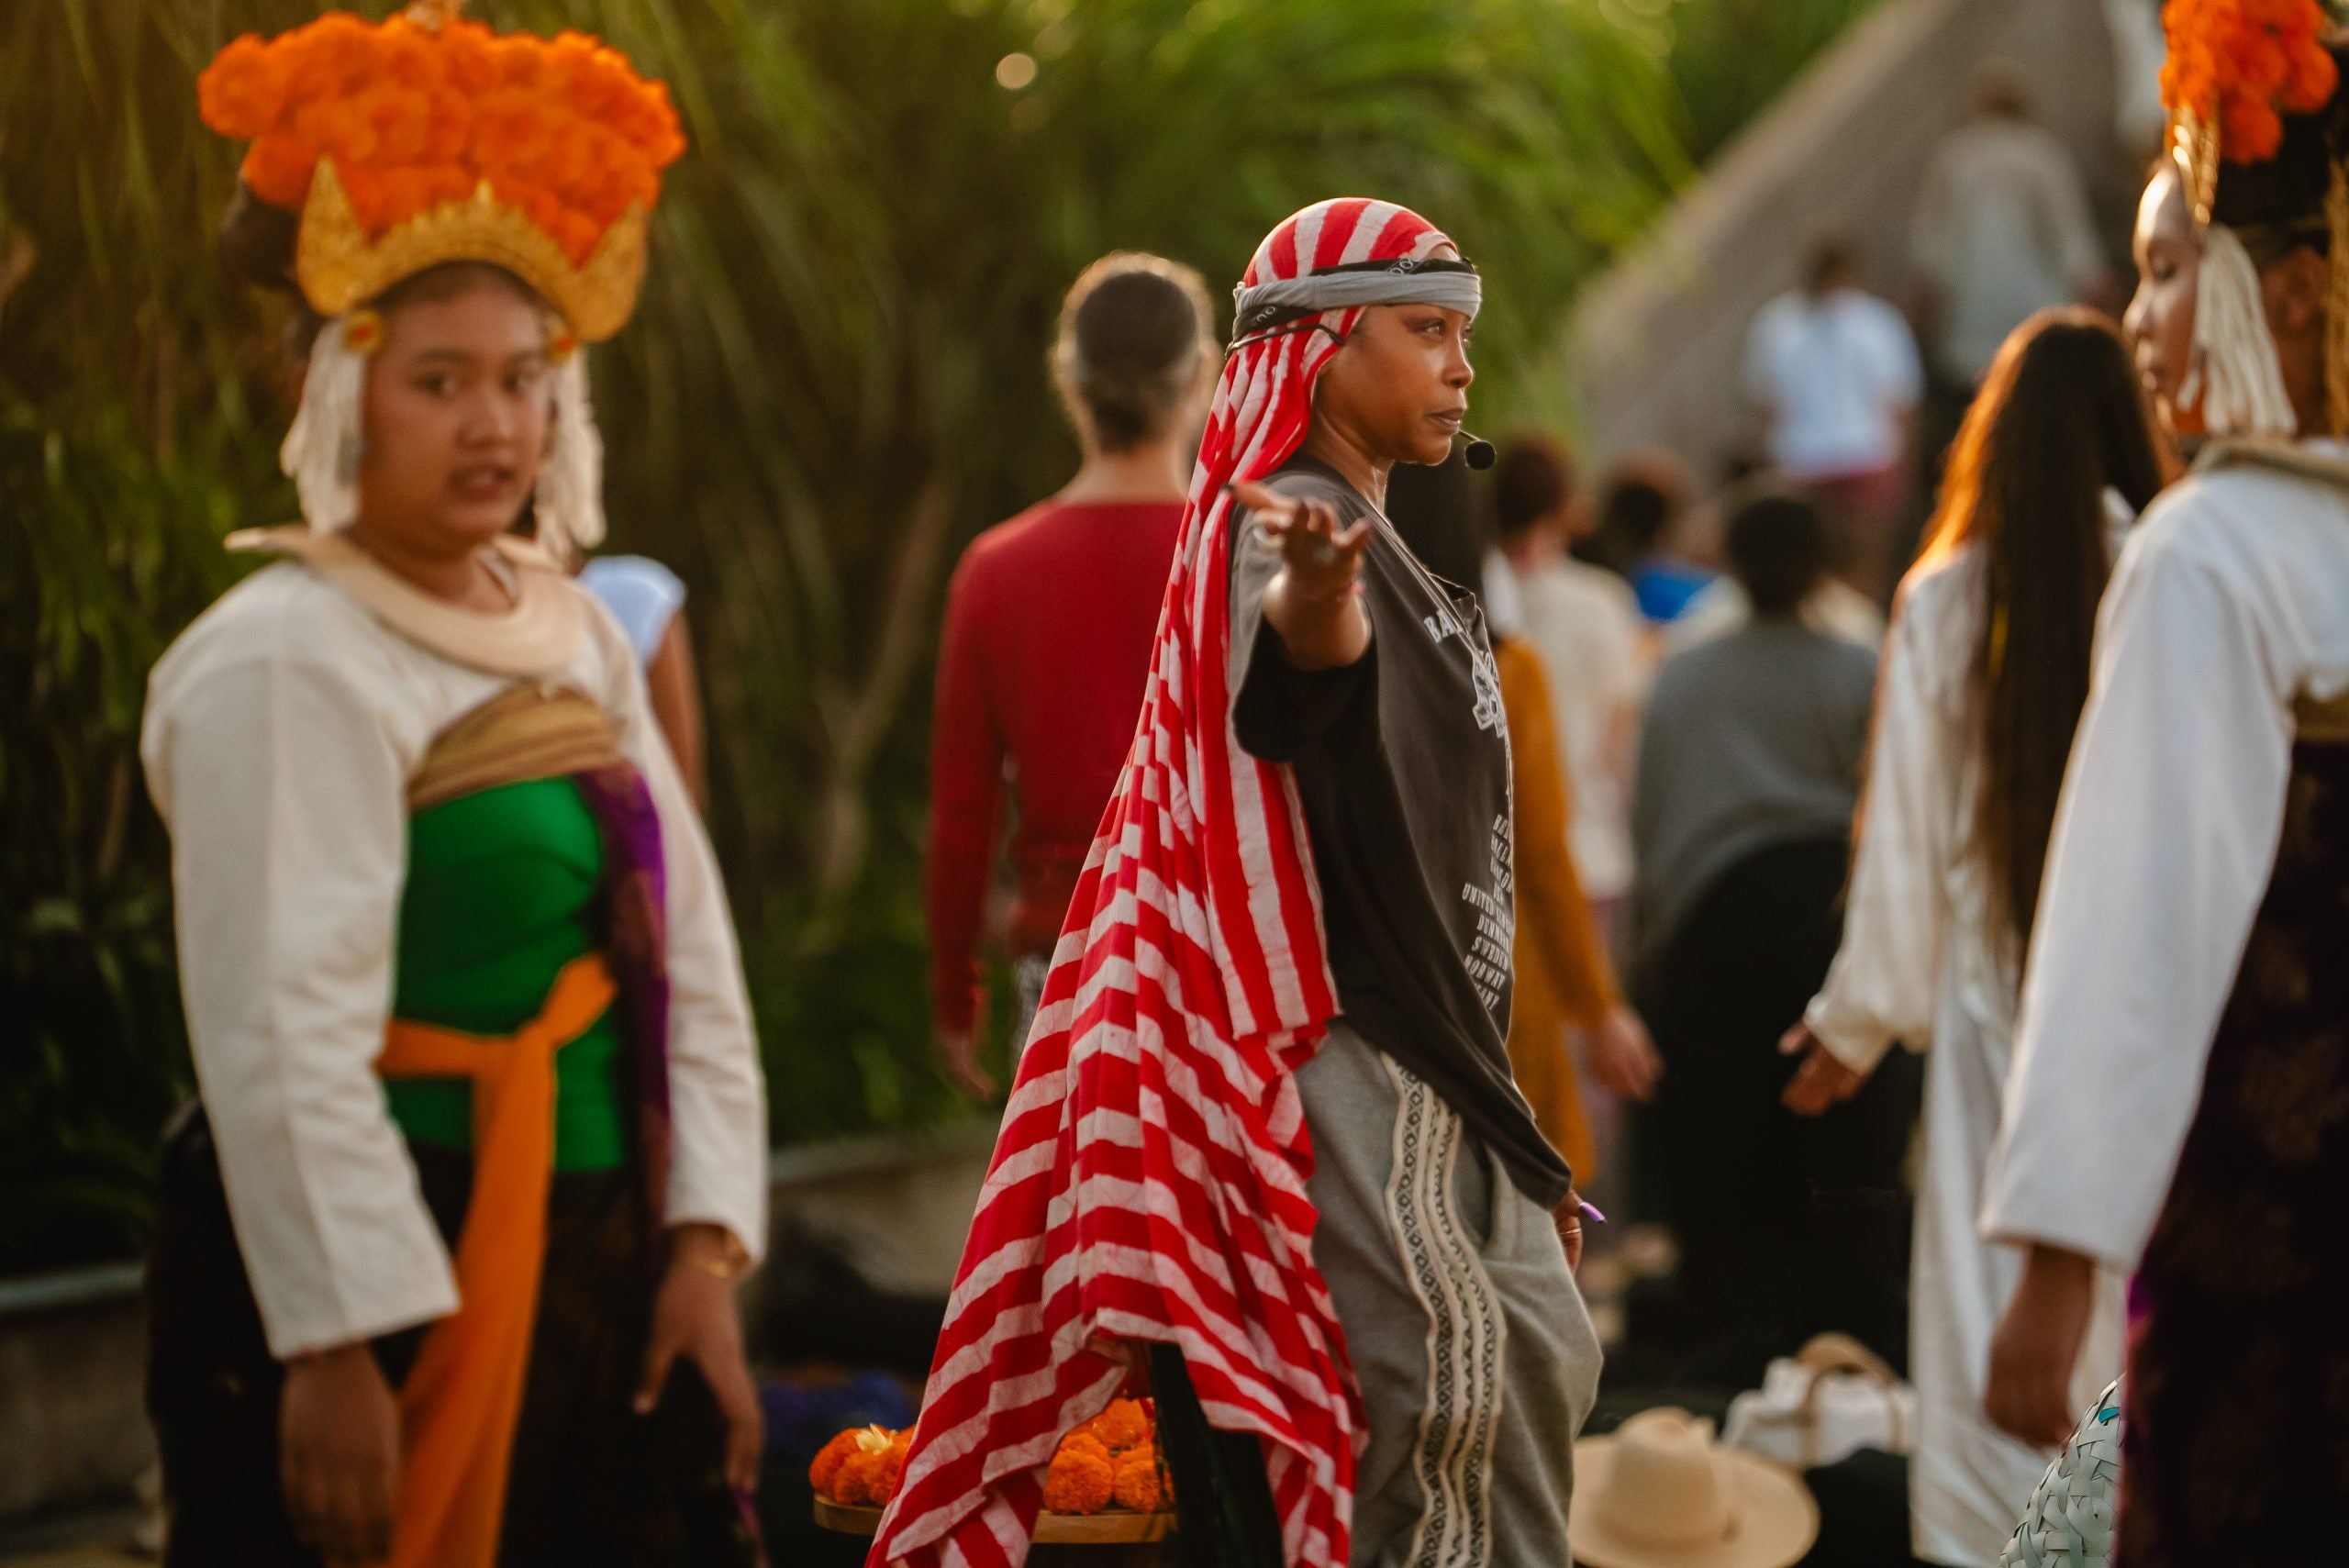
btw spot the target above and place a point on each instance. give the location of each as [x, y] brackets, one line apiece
[960, 1050]
[1622, 1058]
[1321, 557]
[1822, 1082]
[1313, 602]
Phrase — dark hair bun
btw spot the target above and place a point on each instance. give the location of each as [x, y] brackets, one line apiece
[1134, 336]
[2290, 188]
[1135, 323]
[256, 242]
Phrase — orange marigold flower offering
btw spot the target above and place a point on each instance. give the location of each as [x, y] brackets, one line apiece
[1140, 1485]
[829, 1459]
[415, 113]
[1111, 1462]
[1079, 1482]
[861, 1466]
[859, 1474]
[428, 138]
[2242, 65]
[892, 1474]
[1122, 1426]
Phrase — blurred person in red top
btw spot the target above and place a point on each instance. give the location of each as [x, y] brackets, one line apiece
[1048, 634]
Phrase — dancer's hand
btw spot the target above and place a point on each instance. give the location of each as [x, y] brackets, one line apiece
[1312, 602]
[960, 1050]
[1623, 1057]
[693, 1317]
[2038, 1345]
[338, 1453]
[1822, 1081]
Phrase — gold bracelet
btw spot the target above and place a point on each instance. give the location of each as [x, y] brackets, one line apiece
[733, 1260]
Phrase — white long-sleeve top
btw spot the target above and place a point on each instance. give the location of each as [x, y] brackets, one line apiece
[280, 731]
[1926, 944]
[1928, 958]
[2231, 602]
[1919, 939]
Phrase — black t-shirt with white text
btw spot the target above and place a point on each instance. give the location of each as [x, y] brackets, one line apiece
[1402, 763]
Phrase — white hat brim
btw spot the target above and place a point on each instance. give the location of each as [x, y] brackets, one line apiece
[1778, 1520]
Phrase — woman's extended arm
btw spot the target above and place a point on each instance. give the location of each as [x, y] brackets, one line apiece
[1312, 602]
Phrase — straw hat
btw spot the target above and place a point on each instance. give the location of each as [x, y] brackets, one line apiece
[1661, 1493]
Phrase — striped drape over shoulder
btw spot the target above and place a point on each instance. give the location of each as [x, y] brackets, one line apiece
[1148, 1182]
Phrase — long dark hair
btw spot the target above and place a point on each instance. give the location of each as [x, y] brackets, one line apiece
[2061, 417]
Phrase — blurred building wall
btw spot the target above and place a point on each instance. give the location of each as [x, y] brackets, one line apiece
[1657, 342]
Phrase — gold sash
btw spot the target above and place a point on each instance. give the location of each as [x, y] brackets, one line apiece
[521, 733]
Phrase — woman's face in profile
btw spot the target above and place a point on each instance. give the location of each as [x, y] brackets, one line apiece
[2160, 322]
[1397, 392]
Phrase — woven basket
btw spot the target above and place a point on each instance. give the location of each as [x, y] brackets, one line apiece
[2069, 1521]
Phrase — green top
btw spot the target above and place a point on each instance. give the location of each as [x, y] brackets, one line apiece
[499, 885]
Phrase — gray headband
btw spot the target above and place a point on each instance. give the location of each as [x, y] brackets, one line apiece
[1405, 280]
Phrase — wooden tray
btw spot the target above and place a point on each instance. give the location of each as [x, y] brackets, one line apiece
[1112, 1528]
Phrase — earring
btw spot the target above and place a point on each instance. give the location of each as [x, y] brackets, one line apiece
[347, 453]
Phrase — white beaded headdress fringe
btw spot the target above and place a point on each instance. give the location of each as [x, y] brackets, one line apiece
[2236, 368]
[570, 478]
[322, 450]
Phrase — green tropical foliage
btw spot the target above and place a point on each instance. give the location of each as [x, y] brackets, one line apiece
[836, 379]
[1729, 57]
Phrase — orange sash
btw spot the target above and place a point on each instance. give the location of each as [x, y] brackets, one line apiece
[463, 1398]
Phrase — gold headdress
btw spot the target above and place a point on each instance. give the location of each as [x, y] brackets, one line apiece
[2235, 70]
[428, 138]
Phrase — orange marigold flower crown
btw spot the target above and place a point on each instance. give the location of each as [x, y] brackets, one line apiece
[428, 138]
[2235, 69]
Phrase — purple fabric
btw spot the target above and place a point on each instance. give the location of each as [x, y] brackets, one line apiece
[2235, 1442]
[635, 945]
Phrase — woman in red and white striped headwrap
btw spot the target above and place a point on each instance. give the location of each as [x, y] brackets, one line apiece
[1265, 1127]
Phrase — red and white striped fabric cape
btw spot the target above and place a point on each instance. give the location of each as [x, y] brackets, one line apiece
[1148, 1182]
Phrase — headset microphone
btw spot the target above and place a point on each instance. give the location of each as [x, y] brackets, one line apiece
[1480, 454]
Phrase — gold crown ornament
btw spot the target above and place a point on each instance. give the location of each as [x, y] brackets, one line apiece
[428, 138]
[339, 268]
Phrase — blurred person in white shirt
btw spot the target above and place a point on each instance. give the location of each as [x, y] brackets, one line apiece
[1836, 373]
[2001, 230]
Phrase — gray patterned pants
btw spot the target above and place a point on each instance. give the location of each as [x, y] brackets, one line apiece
[1476, 1361]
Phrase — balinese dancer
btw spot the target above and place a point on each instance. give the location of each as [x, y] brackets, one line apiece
[2180, 1101]
[443, 1269]
[1984, 675]
[1334, 1235]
